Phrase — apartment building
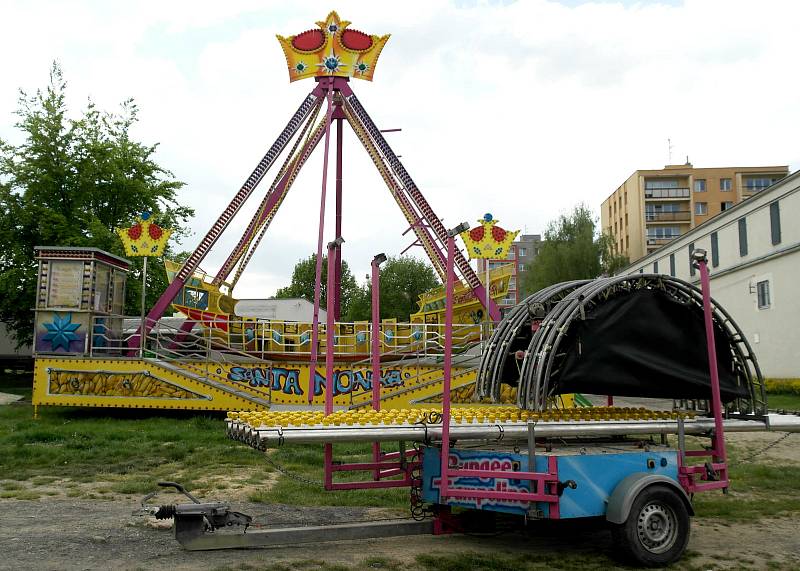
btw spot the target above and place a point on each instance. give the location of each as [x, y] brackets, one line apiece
[754, 263]
[522, 252]
[653, 207]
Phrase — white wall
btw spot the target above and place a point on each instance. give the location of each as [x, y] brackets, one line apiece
[280, 309]
[773, 332]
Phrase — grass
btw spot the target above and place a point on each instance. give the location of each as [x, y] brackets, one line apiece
[306, 461]
[782, 401]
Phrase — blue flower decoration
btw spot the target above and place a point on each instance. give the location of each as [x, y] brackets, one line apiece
[389, 335]
[361, 337]
[417, 335]
[305, 337]
[249, 334]
[277, 337]
[61, 331]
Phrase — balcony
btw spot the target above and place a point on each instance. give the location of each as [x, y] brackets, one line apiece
[666, 193]
[661, 240]
[674, 216]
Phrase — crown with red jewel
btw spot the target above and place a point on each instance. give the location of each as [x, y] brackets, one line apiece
[144, 238]
[333, 50]
[488, 240]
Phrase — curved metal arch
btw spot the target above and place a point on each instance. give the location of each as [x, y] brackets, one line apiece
[543, 359]
[496, 353]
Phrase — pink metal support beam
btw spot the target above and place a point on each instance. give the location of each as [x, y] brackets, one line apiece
[376, 348]
[718, 451]
[320, 235]
[337, 308]
[330, 327]
[448, 364]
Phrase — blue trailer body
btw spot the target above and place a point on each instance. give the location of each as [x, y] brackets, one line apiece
[595, 471]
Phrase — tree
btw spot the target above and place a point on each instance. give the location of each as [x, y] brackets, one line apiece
[571, 250]
[304, 278]
[402, 280]
[71, 182]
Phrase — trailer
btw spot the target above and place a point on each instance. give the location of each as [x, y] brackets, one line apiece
[631, 466]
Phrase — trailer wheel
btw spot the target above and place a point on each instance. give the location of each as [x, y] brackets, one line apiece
[656, 532]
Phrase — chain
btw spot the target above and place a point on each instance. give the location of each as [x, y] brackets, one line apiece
[294, 476]
[757, 453]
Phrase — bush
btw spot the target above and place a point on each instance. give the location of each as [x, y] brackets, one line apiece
[783, 386]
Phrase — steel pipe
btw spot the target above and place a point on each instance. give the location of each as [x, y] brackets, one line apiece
[275, 436]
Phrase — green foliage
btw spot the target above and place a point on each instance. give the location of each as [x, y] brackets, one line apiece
[71, 182]
[571, 250]
[402, 281]
[304, 278]
[783, 386]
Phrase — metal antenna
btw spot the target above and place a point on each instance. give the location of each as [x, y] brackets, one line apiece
[669, 151]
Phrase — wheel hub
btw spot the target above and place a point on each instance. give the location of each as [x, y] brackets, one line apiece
[656, 527]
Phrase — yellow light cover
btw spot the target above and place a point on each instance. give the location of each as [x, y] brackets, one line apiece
[488, 241]
[144, 238]
[332, 51]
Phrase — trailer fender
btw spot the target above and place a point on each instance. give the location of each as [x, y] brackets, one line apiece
[623, 496]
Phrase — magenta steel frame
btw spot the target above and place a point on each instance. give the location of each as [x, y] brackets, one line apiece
[544, 483]
[410, 198]
[688, 475]
[383, 465]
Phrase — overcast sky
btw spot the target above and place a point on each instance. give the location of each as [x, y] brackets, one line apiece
[522, 109]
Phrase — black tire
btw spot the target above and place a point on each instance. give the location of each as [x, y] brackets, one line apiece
[656, 532]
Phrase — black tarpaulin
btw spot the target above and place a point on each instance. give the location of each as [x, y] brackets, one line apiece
[646, 344]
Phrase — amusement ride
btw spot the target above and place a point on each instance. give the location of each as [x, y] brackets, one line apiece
[468, 409]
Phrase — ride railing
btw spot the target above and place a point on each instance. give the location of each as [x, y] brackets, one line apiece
[193, 350]
[177, 338]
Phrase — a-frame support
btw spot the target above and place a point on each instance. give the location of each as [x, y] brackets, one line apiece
[428, 227]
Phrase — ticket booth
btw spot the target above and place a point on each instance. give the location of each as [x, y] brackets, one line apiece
[80, 301]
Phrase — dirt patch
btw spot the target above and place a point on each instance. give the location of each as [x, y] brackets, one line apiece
[82, 534]
[784, 448]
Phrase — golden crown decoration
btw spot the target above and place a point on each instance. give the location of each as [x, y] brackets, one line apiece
[488, 240]
[144, 238]
[332, 51]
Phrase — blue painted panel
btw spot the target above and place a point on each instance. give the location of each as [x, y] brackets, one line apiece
[479, 460]
[598, 474]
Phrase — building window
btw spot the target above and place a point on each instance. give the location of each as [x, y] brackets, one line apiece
[663, 232]
[521, 252]
[714, 249]
[641, 270]
[661, 183]
[672, 265]
[723, 206]
[725, 184]
[521, 267]
[701, 208]
[655, 267]
[742, 236]
[691, 261]
[763, 294]
[700, 185]
[758, 184]
[775, 222]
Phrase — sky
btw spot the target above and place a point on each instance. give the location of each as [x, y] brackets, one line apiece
[521, 109]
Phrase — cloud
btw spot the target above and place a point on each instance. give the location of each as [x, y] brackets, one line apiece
[522, 109]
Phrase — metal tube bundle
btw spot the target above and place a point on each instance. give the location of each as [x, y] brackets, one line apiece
[540, 338]
[263, 438]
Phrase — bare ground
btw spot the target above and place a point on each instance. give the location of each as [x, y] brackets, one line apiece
[65, 529]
